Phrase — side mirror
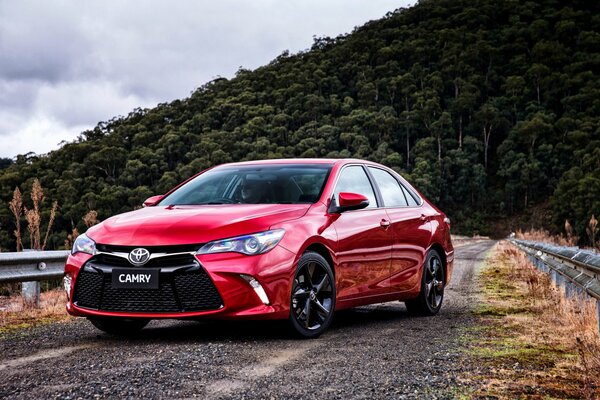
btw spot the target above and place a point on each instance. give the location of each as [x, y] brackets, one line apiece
[152, 201]
[347, 202]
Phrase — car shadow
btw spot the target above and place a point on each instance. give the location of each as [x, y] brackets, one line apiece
[174, 331]
[369, 315]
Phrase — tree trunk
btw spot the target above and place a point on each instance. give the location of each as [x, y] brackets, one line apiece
[407, 134]
[407, 148]
[487, 132]
[460, 132]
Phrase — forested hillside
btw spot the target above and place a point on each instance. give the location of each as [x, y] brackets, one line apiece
[490, 107]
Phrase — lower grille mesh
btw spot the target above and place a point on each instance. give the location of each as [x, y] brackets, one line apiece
[178, 292]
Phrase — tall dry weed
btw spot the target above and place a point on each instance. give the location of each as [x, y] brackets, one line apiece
[571, 238]
[91, 218]
[16, 207]
[71, 239]
[50, 223]
[33, 216]
[592, 230]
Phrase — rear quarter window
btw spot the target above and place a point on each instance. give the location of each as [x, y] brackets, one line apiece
[411, 198]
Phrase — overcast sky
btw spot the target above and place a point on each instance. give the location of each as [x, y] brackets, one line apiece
[66, 65]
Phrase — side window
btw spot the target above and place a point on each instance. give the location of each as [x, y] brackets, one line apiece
[412, 202]
[354, 179]
[390, 189]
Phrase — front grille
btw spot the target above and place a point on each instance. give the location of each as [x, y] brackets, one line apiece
[89, 289]
[196, 291]
[186, 289]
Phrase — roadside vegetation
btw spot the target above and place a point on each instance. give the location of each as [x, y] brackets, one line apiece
[17, 314]
[33, 223]
[532, 342]
[568, 238]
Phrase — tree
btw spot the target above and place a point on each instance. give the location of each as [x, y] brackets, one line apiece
[490, 120]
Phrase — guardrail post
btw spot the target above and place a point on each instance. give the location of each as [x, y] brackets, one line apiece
[31, 293]
[31, 290]
[553, 277]
[560, 282]
[568, 289]
[598, 308]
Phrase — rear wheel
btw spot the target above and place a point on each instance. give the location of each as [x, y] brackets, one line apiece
[431, 296]
[119, 326]
[313, 296]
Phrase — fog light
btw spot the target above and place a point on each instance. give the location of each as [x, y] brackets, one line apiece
[67, 284]
[258, 289]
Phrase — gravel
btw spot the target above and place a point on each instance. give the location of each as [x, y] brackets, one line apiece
[369, 352]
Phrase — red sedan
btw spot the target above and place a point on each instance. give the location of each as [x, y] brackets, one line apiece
[279, 239]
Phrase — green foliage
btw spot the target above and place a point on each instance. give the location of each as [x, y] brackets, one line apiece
[490, 107]
[5, 162]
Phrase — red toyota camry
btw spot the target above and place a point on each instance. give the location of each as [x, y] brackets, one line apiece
[289, 239]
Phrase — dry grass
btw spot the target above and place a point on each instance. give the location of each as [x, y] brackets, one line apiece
[536, 343]
[541, 235]
[15, 313]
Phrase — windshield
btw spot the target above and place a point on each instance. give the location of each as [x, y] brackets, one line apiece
[256, 184]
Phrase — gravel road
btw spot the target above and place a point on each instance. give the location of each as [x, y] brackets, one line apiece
[369, 352]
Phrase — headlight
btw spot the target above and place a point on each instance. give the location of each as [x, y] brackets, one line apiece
[257, 243]
[84, 244]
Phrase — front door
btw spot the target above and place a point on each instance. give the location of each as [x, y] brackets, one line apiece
[364, 241]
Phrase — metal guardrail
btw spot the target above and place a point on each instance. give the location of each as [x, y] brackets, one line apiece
[31, 267]
[571, 268]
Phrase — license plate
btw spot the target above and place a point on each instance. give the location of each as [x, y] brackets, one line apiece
[134, 279]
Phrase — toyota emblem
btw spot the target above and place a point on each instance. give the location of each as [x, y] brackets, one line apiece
[139, 256]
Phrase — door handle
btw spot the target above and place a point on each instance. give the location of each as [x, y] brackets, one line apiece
[424, 217]
[384, 223]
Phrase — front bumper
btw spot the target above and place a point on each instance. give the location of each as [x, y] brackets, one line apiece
[227, 273]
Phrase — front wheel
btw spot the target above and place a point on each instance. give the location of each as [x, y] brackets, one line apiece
[313, 296]
[119, 326]
[431, 295]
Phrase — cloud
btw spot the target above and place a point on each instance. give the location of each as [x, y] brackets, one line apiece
[66, 65]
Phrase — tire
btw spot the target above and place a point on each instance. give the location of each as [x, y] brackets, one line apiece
[312, 300]
[431, 294]
[119, 326]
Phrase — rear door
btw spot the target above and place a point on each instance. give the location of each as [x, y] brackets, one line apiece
[410, 229]
[364, 240]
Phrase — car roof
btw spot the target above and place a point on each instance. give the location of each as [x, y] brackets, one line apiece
[320, 161]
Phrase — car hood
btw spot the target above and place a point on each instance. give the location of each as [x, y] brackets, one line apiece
[154, 226]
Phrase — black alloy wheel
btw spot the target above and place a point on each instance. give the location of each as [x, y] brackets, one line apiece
[119, 326]
[313, 296]
[431, 296]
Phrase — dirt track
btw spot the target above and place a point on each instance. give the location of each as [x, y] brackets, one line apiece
[370, 352]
